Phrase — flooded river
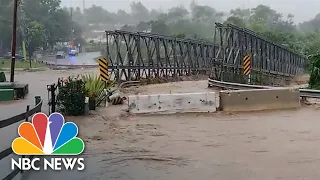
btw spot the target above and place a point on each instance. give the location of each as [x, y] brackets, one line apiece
[223, 146]
[264, 145]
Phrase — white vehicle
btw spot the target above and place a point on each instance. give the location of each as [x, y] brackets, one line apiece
[60, 55]
[73, 52]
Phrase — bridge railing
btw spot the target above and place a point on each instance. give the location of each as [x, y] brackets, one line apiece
[138, 55]
[135, 55]
[16, 119]
[268, 60]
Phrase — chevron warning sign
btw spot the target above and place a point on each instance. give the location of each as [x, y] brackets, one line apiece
[247, 65]
[103, 67]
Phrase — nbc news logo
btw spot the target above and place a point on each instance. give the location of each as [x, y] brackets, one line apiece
[44, 137]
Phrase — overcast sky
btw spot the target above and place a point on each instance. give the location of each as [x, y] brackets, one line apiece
[302, 9]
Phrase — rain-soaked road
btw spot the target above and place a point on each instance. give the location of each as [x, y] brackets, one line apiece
[245, 146]
[82, 59]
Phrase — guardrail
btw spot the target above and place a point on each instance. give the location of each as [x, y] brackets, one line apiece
[15, 119]
[236, 86]
[305, 93]
[129, 84]
[309, 93]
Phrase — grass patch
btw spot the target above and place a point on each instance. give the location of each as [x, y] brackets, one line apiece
[4, 63]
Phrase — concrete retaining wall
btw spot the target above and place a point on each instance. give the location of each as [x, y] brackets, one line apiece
[259, 99]
[173, 103]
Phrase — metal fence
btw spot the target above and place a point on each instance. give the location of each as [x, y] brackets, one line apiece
[52, 95]
[15, 119]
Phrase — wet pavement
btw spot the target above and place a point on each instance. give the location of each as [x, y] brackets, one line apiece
[81, 59]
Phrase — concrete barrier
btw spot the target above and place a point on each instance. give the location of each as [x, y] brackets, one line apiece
[259, 99]
[173, 103]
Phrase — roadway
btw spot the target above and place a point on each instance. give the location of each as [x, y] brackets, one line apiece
[81, 59]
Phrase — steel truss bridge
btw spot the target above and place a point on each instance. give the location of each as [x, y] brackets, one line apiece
[133, 56]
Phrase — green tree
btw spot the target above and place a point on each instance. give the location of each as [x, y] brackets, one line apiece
[154, 14]
[159, 27]
[127, 28]
[124, 17]
[205, 14]
[35, 38]
[270, 24]
[139, 11]
[237, 21]
[5, 24]
[143, 26]
[57, 22]
[314, 81]
[96, 15]
[177, 13]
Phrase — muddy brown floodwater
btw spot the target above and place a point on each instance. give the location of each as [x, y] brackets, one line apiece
[224, 146]
[246, 146]
[261, 145]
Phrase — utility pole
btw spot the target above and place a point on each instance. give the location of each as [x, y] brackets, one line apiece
[84, 22]
[83, 5]
[14, 40]
[72, 29]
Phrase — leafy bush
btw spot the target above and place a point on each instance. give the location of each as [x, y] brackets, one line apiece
[314, 81]
[94, 86]
[2, 77]
[71, 97]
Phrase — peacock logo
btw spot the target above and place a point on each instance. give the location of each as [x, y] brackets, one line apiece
[48, 136]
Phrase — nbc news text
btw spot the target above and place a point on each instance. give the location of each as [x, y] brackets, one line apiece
[56, 164]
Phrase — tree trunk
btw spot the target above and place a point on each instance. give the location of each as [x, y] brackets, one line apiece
[29, 55]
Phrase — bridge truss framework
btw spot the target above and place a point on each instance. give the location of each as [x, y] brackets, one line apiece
[133, 56]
